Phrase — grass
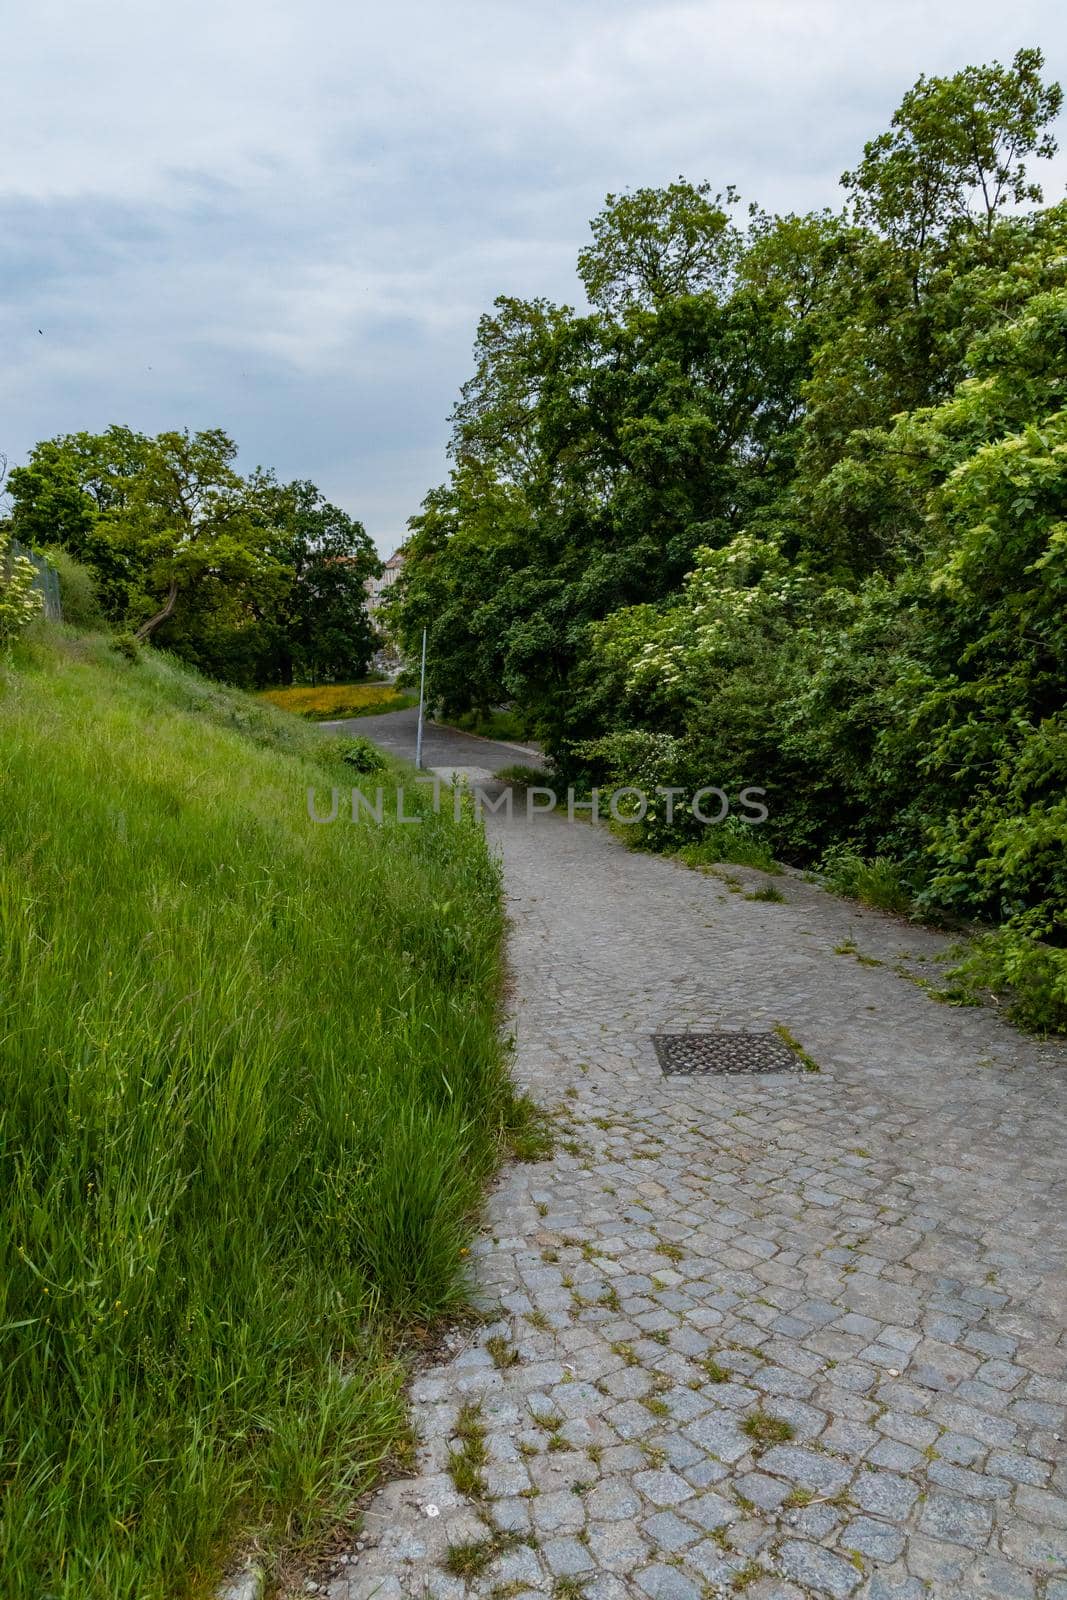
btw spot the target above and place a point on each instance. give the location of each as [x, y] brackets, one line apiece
[326, 702]
[715, 1370]
[769, 892]
[876, 883]
[807, 1062]
[523, 777]
[747, 1575]
[738, 843]
[502, 1351]
[849, 947]
[467, 1460]
[251, 1086]
[472, 1557]
[506, 725]
[766, 1430]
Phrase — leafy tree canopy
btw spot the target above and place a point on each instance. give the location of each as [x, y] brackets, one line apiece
[786, 507]
[245, 577]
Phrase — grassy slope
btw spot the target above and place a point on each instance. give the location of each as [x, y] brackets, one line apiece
[250, 1086]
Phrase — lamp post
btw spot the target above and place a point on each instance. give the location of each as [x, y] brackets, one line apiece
[422, 698]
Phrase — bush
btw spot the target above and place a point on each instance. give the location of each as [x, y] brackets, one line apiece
[19, 600]
[521, 777]
[77, 590]
[126, 645]
[876, 883]
[356, 752]
[1028, 976]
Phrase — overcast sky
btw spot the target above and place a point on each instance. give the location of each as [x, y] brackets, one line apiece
[284, 218]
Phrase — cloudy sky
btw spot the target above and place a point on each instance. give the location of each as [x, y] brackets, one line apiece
[283, 217]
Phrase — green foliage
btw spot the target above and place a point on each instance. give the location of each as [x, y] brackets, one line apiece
[499, 724]
[652, 245]
[524, 777]
[247, 578]
[735, 843]
[19, 600]
[78, 592]
[956, 152]
[356, 752]
[1026, 974]
[251, 1086]
[768, 892]
[787, 510]
[316, 624]
[126, 645]
[877, 883]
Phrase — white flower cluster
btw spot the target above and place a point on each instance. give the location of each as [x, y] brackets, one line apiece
[19, 600]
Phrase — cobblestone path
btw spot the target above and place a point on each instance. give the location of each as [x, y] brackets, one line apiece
[783, 1336]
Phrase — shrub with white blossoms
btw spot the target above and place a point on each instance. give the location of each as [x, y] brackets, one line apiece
[726, 587]
[636, 759]
[19, 600]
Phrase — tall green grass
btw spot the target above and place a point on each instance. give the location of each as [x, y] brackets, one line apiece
[250, 1087]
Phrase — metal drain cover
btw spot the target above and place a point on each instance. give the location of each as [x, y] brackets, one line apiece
[695, 1054]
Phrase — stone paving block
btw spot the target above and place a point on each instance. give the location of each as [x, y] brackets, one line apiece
[956, 1520]
[1047, 1510]
[978, 1485]
[617, 1546]
[880, 1541]
[806, 1469]
[1019, 1469]
[566, 1557]
[667, 1583]
[763, 1491]
[884, 1494]
[666, 1531]
[884, 1587]
[663, 1488]
[819, 1569]
[554, 1513]
[993, 1578]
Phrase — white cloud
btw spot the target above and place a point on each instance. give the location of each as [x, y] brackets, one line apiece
[285, 218]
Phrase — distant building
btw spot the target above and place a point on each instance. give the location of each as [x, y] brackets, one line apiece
[378, 588]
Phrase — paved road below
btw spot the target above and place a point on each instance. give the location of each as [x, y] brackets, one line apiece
[443, 749]
[780, 1336]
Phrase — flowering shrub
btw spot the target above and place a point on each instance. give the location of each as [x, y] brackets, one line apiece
[19, 600]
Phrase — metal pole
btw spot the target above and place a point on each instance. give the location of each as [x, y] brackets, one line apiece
[422, 698]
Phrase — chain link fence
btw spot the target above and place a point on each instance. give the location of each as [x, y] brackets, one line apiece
[46, 582]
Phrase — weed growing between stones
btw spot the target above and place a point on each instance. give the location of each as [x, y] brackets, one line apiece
[472, 1557]
[503, 1352]
[765, 1430]
[807, 1062]
[767, 892]
[466, 1463]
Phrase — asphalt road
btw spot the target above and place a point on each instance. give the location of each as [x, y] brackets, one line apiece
[444, 749]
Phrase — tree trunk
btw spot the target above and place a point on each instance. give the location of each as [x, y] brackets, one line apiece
[153, 623]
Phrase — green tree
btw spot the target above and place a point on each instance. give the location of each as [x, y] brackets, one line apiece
[955, 153]
[248, 579]
[189, 518]
[63, 495]
[654, 244]
[317, 625]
